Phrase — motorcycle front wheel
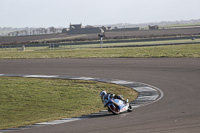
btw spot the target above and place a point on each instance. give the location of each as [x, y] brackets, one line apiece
[130, 108]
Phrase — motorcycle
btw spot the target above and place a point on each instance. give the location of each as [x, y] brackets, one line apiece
[117, 106]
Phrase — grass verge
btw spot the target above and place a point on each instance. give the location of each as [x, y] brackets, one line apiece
[25, 101]
[188, 50]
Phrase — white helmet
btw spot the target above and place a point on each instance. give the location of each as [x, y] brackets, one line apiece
[102, 93]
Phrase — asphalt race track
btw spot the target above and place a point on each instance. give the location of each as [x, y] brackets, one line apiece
[177, 112]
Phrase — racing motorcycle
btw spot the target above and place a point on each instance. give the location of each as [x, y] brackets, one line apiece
[117, 106]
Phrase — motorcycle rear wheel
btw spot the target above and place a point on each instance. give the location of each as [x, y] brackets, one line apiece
[114, 110]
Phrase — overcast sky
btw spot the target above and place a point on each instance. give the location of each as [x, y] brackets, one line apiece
[60, 13]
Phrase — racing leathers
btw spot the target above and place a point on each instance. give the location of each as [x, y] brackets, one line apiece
[108, 96]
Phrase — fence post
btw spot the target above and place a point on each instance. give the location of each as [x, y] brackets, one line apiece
[23, 47]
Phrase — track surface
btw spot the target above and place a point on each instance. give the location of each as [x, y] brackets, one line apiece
[179, 78]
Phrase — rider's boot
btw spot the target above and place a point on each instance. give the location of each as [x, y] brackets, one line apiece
[126, 100]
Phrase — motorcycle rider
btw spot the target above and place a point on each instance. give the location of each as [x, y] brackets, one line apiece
[106, 96]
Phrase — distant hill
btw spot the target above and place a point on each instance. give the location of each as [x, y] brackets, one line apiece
[162, 23]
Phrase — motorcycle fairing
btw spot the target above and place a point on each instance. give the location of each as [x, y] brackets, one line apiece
[120, 104]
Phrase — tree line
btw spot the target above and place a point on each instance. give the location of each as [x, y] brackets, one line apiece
[30, 31]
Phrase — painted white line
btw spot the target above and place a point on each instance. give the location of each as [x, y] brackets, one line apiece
[65, 120]
[40, 76]
[135, 106]
[83, 78]
[121, 82]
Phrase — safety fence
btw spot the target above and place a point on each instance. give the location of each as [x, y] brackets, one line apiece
[103, 44]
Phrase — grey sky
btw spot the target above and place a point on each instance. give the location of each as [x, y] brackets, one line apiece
[60, 13]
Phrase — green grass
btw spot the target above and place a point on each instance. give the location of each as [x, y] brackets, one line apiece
[132, 43]
[187, 50]
[26, 101]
